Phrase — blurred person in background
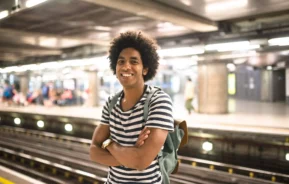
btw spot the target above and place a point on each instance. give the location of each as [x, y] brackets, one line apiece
[66, 98]
[189, 95]
[8, 93]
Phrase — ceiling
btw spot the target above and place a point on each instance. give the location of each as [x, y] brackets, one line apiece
[63, 29]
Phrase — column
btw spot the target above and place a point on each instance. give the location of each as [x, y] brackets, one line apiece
[24, 83]
[212, 88]
[266, 86]
[94, 87]
[287, 85]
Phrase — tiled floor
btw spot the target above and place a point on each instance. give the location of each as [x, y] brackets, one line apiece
[248, 116]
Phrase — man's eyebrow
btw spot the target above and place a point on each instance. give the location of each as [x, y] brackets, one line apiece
[120, 57]
[134, 58]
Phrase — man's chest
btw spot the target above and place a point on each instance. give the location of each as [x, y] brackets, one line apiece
[127, 123]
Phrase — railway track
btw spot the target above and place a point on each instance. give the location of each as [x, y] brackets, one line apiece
[71, 152]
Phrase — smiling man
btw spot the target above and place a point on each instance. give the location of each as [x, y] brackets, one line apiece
[124, 140]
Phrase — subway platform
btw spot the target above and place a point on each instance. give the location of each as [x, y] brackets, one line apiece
[8, 176]
[243, 116]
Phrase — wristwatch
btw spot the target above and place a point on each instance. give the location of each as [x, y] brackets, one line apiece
[106, 143]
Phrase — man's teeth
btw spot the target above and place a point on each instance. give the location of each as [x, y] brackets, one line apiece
[126, 75]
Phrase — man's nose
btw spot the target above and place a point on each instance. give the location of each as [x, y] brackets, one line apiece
[126, 66]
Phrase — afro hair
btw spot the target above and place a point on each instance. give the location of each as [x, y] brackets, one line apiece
[146, 46]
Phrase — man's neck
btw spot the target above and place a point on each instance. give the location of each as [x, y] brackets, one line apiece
[132, 95]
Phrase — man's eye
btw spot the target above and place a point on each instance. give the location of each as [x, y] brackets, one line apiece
[120, 61]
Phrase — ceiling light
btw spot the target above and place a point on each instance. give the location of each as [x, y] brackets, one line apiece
[284, 53]
[269, 67]
[282, 41]
[216, 7]
[182, 51]
[231, 67]
[31, 3]
[239, 61]
[102, 28]
[228, 46]
[287, 157]
[4, 14]
[240, 48]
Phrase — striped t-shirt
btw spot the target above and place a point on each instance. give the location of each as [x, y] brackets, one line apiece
[125, 128]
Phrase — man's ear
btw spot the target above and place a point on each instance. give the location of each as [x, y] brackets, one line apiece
[145, 71]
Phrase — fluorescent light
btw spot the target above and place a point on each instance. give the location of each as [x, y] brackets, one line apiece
[51, 65]
[225, 5]
[228, 46]
[282, 41]
[31, 3]
[182, 51]
[287, 156]
[102, 28]
[284, 53]
[97, 61]
[269, 67]
[231, 67]
[239, 61]
[240, 48]
[4, 14]
[167, 27]
[238, 55]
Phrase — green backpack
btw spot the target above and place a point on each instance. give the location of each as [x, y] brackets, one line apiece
[167, 157]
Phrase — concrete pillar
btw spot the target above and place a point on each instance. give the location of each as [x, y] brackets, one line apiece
[213, 88]
[24, 83]
[94, 87]
[287, 85]
[266, 86]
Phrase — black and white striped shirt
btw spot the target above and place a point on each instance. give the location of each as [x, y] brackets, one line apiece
[125, 128]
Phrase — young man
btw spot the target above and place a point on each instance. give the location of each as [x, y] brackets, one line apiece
[123, 140]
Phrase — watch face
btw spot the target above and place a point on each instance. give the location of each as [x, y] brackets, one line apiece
[106, 143]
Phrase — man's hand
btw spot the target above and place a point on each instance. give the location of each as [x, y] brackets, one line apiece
[142, 137]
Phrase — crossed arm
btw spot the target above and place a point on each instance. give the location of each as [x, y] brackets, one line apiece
[137, 157]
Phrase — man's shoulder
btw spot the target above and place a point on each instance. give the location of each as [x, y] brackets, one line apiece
[159, 93]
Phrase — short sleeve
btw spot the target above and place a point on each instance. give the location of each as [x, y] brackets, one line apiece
[105, 113]
[160, 112]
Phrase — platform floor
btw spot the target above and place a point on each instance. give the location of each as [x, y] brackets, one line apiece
[8, 176]
[244, 116]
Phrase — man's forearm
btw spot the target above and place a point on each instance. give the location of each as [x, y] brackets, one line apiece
[128, 156]
[102, 156]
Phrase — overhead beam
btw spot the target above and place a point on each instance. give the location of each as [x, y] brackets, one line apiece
[49, 40]
[157, 11]
[26, 51]
[9, 57]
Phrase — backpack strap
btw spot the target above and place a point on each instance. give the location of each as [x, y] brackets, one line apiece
[148, 99]
[114, 101]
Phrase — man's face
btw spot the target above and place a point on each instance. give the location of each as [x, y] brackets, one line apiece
[129, 68]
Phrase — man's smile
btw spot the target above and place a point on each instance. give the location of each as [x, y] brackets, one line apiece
[126, 74]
